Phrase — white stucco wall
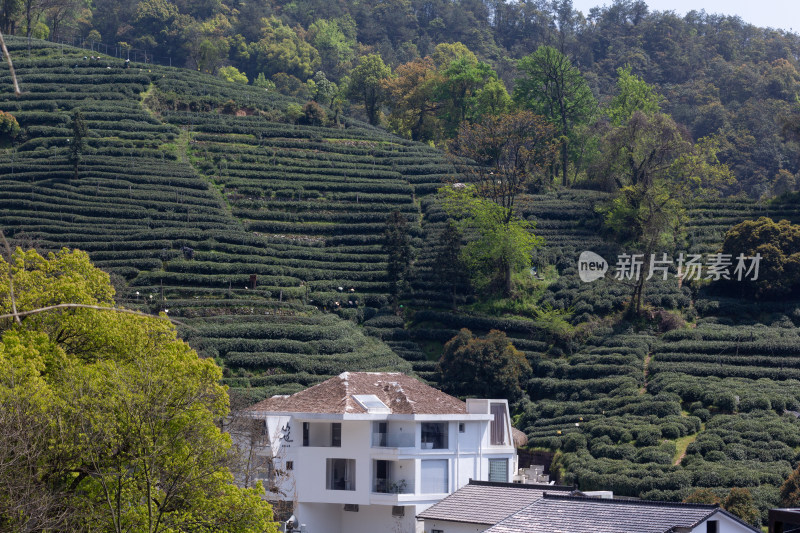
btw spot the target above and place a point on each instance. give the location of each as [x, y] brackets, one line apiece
[725, 525]
[453, 527]
[332, 518]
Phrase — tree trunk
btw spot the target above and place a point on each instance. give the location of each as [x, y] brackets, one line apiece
[507, 279]
[564, 160]
[10, 65]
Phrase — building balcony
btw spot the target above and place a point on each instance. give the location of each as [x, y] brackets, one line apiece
[392, 440]
[391, 486]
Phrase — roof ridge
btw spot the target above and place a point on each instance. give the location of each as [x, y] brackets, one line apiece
[657, 503]
[728, 514]
[534, 486]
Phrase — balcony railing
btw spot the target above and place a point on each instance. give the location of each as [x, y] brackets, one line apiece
[392, 440]
[388, 486]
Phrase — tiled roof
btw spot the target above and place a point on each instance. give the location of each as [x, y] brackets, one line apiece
[402, 394]
[556, 513]
[485, 502]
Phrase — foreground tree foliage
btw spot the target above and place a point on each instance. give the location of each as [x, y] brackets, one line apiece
[485, 367]
[108, 419]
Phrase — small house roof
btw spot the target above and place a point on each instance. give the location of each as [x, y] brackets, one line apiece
[486, 502]
[400, 393]
[580, 514]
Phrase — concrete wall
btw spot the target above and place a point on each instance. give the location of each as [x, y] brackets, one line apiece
[318, 517]
[332, 518]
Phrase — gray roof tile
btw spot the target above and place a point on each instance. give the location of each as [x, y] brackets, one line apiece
[485, 502]
[556, 513]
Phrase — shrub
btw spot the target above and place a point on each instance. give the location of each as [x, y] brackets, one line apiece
[313, 114]
[489, 367]
[574, 442]
[648, 437]
[232, 75]
[9, 127]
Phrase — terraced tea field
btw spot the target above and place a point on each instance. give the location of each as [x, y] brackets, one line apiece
[264, 239]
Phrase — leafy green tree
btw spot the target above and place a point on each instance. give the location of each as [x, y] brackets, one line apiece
[507, 152]
[499, 245]
[281, 49]
[232, 75]
[262, 82]
[657, 172]
[448, 268]
[633, 94]
[704, 496]
[314, 115]
[60, 15]
[504, 154]
[367, 84]
[9, 127]
[461, 80]
[551, 86]
[411, 97]
[397, 245]
[778, 244]
[322, 89]
[740, 503]
[154, 22]
[77, 144]
[206, 42]
[445, 53]
[790, 490]
[115, 415]
[491, 99]
[335, 40]
[483, 367]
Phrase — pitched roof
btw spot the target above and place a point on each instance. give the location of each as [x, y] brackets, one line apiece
[402, 395]
[556, 513]
[486, 502]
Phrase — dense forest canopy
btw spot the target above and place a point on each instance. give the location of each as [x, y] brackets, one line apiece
[717, 75]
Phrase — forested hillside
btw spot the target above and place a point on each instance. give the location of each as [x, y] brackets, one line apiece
[254, 203]
[716, 74]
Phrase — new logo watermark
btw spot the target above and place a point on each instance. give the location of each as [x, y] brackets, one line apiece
[714, 267]
[591, 267]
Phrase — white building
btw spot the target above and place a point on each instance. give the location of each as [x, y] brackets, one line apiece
[367, 452]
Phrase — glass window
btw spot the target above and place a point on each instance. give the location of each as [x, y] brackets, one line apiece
[336, 435]
[434, 435]
[498, 470]
[306, 430]
[434, 476]
[341, 474]
[498, 424]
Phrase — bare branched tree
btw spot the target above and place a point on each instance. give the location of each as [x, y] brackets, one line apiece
[256, 459]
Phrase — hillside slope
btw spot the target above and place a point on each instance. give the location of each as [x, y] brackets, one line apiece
[264, 238]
